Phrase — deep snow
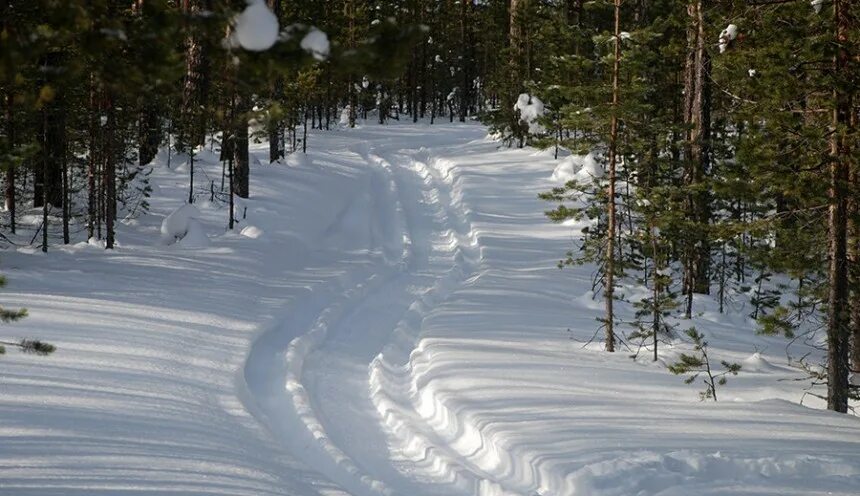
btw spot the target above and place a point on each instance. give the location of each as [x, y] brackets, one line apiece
[386, 319]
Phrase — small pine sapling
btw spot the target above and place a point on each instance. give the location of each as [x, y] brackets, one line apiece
[33, 346]
[699, 364]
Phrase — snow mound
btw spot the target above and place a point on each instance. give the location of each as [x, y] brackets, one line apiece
[579, 167]
[757, 363]
[256, 27]
[252, 232]
[531, 108]
[299, 160]
[195, 236]
[182, 224]
[316, 43]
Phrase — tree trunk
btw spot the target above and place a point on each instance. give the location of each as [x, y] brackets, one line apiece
[276, 124]
[92, 162]
[10, 171]
[854, 267]
[837, 301]
[697, 119]
[241, 158]
[196, 87]
[510, 93]
[53, 138]
[464, 61]
[109, 171]
[609, 289]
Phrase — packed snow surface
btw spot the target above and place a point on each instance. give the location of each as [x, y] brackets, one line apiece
[400, 329]
[256, 27]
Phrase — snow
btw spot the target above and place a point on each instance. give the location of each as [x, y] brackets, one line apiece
[181, 223]
[387, 320]
[531, 109]
[816, 5]
[583, 168]
[727, 35]
[256, 27]
[316, 43]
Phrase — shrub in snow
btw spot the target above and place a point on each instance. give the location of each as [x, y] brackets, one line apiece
[531, 108]
[316, 43]
[181, 225]
[257, 27]
[699, 363]
[727, 36]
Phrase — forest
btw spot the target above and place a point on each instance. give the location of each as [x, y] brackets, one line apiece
[705, 159]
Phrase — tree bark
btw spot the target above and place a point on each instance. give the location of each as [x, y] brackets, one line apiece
[92, 161]
[196, 87]
[464, 59]
[10, 171]
[241, 158]
[53, 138]
[697, 161]
[109, 171]
[609, 289]
[515, 42]
[837, 301]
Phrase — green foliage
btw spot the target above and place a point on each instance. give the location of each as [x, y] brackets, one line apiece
[32, 346]
[698, 364]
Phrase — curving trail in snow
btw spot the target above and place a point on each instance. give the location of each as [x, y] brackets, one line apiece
[313, 389]
[442, 368]
[387, 320]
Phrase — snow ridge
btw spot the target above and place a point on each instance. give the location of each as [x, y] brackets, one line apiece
[401, 391]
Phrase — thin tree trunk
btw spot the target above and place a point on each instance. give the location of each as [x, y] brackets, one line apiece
[10, 171]
[241, 158]
[109, 175]
[464, 62]
[305, 132]
[609, 290]
[66, 206]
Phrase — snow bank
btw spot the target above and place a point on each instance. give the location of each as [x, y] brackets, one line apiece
[182, 225]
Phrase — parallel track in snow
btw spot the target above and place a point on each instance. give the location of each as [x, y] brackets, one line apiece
[325, 397]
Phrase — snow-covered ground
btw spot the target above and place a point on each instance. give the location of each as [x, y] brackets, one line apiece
[387, 319]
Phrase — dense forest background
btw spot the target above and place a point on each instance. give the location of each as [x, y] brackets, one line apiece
[724, 133]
